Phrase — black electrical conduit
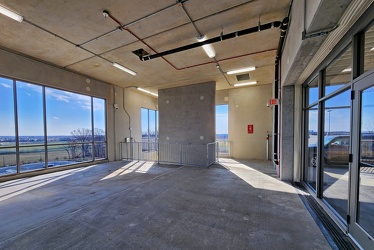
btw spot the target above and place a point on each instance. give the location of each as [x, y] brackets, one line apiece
[278, 55]
[277, 24]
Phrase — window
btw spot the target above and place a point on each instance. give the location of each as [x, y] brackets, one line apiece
[222, 130]
[312, 92]
[339, 72]
[30, 126]
[335, 151]
[222, 122]
[149, 121]
[310, 173]
[327, 127]
[8, 160]
[44, 127]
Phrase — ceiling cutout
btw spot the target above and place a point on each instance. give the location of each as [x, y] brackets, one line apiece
[242, 77]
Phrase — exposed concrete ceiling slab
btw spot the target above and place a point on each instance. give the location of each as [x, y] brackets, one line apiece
[77, 36]
[38, 43]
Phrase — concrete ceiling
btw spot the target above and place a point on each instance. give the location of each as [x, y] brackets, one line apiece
[75, 35]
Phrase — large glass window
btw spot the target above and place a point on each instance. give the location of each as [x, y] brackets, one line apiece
[222, 122]
[222, 129]
[99, 128]
[335, 156]
[339, 72]
[366, 174]
[69, 127]
[149, 124]
[8, 162]
[339, 139]
[30, 126]
[311, 143]
[312, 92]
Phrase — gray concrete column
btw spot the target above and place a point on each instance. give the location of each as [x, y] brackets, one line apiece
[287, 133]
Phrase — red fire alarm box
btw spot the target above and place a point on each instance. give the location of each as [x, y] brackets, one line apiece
[273, 102]
[250, 128]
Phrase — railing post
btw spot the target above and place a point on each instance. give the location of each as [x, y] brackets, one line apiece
[158, 152]
[139, 148]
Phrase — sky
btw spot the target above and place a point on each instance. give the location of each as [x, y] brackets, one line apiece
[337, 110]
[151, 122]
[222, 119]
[65, 111]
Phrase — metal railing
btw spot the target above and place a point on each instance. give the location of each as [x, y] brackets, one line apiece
[224, 148]
[173, 153]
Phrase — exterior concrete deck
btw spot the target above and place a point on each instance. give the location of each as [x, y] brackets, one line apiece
[133, 205]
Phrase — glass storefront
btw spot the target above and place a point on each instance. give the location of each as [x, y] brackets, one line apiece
[339, 137]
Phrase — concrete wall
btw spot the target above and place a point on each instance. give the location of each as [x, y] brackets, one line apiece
[26, 69]
[287, 133]
[247, 105]
[314, 17]
[187, 114]
[128, 116]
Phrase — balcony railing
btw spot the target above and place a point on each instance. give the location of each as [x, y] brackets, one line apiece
[172, 153]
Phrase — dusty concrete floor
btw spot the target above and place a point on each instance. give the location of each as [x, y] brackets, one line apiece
[139, 205]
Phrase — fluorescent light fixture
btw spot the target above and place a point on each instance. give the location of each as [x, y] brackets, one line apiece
[244, 84]
[10, 14]
[208, 48]
[124, 69]
[347, 70]
[146, 91]
[231, 72]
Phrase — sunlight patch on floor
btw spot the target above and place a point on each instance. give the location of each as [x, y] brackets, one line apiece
[254, 177]
[16, 187]
[131, 167]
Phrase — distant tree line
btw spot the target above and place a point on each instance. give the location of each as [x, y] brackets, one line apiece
[80, 144]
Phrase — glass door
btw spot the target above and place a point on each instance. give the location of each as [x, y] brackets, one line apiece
[361, 225]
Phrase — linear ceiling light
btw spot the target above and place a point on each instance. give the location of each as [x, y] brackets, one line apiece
[208, 48]
[244, 84]
[10, 14]
[231, 72]
[146, 91]
[347, 70]
[124, 69]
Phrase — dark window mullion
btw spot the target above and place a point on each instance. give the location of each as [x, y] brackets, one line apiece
[45, 128]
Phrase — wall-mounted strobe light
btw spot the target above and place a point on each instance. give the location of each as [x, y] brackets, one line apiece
[124, 69]
[10, 14]
[208, 48]
[244, 84]
[146, 91]
[231, 72]
[347, 70]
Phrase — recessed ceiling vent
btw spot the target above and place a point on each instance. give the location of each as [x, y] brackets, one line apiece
[242, 77]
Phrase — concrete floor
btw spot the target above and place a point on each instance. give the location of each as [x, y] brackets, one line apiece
[133, 205]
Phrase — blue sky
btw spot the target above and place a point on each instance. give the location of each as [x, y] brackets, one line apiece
[222, 119]
[339, 118]
[65, 111]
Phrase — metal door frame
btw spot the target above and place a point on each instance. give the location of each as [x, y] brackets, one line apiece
[355, 230]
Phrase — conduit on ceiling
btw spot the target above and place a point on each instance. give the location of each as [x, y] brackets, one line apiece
[277, 24]
[142, 54]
